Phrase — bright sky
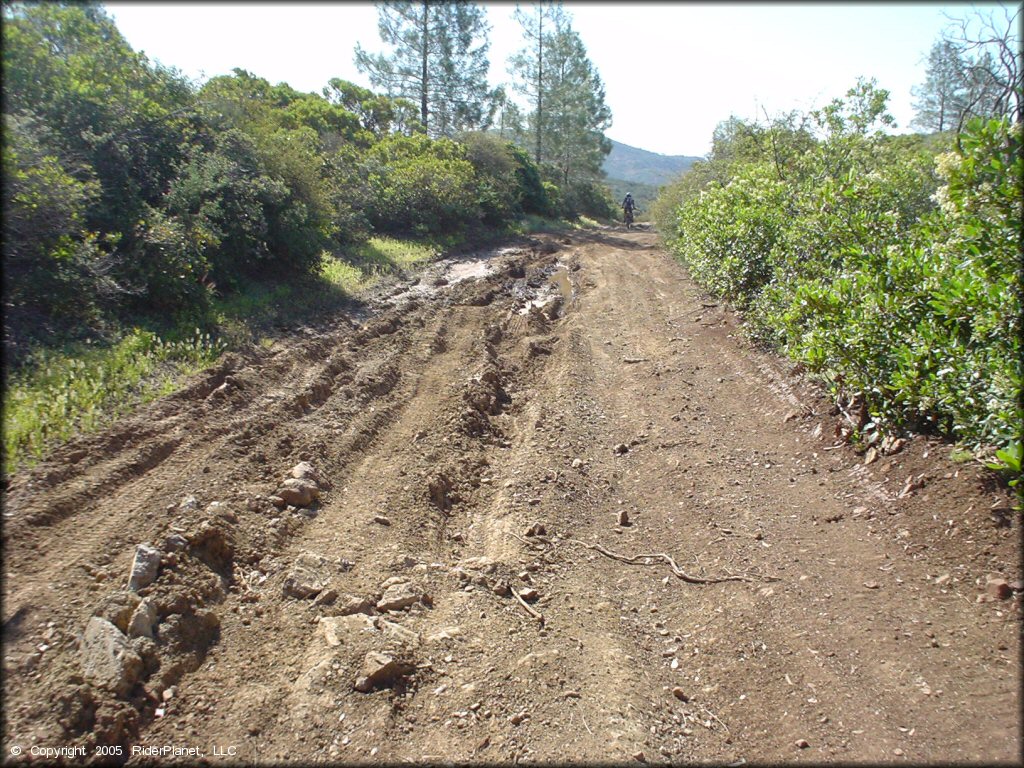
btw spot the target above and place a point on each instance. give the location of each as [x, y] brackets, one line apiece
[671, 71]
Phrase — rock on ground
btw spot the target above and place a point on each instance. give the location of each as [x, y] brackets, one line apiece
[144, 567]
[309, 576]
[108, 659]
[379, 670]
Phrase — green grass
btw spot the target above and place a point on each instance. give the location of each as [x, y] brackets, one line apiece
[60, 393]
[365, 264]
[532, 224]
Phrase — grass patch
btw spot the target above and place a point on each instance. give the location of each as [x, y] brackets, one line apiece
[385, 254]
[585, 222]
[960, 455]
[532, 224]
[60, 393]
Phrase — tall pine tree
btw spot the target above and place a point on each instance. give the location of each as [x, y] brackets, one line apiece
[438, 60]
[558, 79]
[577, 113]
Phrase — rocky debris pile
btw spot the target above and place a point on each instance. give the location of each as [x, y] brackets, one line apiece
[140, 639]
[366, 635]
[484, 394]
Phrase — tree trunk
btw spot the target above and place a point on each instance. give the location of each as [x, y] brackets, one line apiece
[540, 81]
[425, 43]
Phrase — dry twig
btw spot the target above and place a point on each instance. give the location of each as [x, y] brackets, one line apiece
[539, 617]
[540, 544]
[679, 572]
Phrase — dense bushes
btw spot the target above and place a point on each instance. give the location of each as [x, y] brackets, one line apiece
[886, 267]
[128, 192]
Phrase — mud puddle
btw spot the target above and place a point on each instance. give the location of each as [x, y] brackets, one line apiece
[450, 271]
[549, 296]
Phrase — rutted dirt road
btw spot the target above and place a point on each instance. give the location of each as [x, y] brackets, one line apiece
[493, 446]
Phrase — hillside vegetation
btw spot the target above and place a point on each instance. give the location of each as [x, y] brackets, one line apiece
[149, 221]
[889, 266]
[640, 166]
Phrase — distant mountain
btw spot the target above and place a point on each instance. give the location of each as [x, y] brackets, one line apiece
[638, 165]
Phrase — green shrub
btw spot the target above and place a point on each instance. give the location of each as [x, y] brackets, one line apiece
[420, 186]
[894, 277]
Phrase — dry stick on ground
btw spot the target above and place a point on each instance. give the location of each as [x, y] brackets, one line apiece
[708, 711]
[541, 545]
[638, 560]
[539, 617]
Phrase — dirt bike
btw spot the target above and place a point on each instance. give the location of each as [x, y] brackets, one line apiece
[628, 217]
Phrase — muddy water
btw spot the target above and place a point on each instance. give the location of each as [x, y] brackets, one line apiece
[449, 272]
[560, 279]
[559, 286]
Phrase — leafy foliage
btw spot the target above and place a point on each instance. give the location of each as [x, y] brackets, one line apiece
[569, 113]
[889, 269]
[134, 198]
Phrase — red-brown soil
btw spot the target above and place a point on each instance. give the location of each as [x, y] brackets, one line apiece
[565, 382]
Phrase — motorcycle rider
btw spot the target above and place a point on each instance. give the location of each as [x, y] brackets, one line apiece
[628, 207]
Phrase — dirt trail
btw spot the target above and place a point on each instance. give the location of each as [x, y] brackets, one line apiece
[475, 436]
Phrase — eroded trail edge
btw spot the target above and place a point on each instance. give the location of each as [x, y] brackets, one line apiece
[540, 504]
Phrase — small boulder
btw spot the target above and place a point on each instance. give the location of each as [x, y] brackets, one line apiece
[998, 588]
[327, 597]
[189, 503]
[118, 608]
[308, 577]
[501, 588]
[623, 518]
[620, 449]
[221, 510]
[537, 529]
[350, 604]
[397, 633]
[298, 492]
[144, 567]
[108, 659]
[304, 471]
[175, 542]
[398, 596]
[379, 670]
